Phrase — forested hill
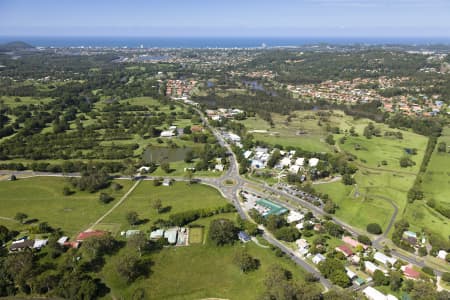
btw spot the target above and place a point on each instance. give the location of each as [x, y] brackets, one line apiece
[16, 45]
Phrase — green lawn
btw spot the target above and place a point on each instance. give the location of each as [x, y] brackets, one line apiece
[42, 198]
[195, 235]
[199, 271]
[176, 198]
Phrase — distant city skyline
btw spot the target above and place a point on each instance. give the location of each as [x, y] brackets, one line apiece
[328, 18]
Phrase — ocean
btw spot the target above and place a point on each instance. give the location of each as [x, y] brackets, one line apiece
[214, 42]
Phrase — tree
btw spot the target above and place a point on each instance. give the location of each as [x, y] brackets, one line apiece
[98, 246]
[423, 290]
[222, 231]
[288, 234]
[105, 198]
[20, 266]
[364, 239]
[244, 261]
[442, 147]
[67, 191]
[273, 222]
[20, 216]
[339, 295]
[423, 251]
[406, 161]
[330, 140]
[374, 228]
[446, 276]
[347, 179]
[157, 205]
[165, 166]
[129, 267]
[395, 278]
[138, 242]
[189, 156]
[379, 278]
[132, 217]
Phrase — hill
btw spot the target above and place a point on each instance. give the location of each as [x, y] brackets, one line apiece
[14, 46]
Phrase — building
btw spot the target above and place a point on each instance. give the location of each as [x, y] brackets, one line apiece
[294, 169]
[442, 254]
[300, 161]
[62, 240]
[350, 274]
[171, 235]
[318, 258]
[313, 162]
[410, 273]
[157, 234]
[244, 237]
[131, 232]
[352, 242]
[373, 294]
[410, 237]
[270, 208]
[167, 182]
[90, 233]
[344, 250]
[167, 133]
[21, 245]
[38, 244]
[371, 267]
[294, 216]
[383, 259]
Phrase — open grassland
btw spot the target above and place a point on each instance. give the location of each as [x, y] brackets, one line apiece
[11, 101]
[199, 271]
[176, 198]
[302, 131]
[42, 198]
[195, 235]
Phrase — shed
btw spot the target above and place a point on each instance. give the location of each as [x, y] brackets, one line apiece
[373, 294]
[171, 235]
[157, 234]
[131, 232]
[318, 258]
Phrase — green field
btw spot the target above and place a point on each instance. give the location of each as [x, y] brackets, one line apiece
[195, 235]
[42, 198]
[178, 197]
[436, 186]
[287, 133]
[199, 272]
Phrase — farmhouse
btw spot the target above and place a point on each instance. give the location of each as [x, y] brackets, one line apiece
[410, 237]
[21, 245]
[442, 254]
[171, 235]
[38, 244]
[383, 259]
[157, 234]
[300, 161]
[62, 240]
[313, 162]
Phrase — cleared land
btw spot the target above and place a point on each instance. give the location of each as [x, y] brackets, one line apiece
[42, 198]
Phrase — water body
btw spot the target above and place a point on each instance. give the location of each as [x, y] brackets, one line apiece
[164, 154]
[214, 42]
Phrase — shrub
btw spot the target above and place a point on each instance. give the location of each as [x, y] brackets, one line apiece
[374, 228]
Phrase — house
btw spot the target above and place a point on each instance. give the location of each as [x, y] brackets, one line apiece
[167, 182]
[167, 133]
[373, 294]
[302, 244]
[62, 240]
[300, 226]
[143, 169]
[171, 235]
[371, 267]
[313, 162]
[285, 162]
[442, 254]
[219, 167]
[383, 259]
[410, 237]
[359, 281]
[38, 244]
[244, 237]
[350, 273]
[234, 137]
[294, 169]
[318, 258]
[344, 250]
[410, 273]
[300, 161]
[21, 245]
[257, 164]
[90, 233]
[131, 232]
[157, 234]
[247, 154]
[196, 128]
[72, 244]
[352, 242]
[294, 216]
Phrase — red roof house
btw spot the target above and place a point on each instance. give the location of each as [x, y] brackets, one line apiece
[90, 233]
[410, 273]
[344, 250]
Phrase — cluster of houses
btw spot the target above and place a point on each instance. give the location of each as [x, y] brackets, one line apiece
[179, 88]
[175, 236]
[259, 157]
[221, 113]
[25, 243]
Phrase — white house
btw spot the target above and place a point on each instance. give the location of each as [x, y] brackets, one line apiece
[285, 162]
[300, 161]
[383, 259]
[294, 169]
[442, 254]
[371, 267]
[295, 216]
[234, 137]
[167, 133]
[373, 294]
[313, 162]
[318, 258]
[300, 226]
[247, 154]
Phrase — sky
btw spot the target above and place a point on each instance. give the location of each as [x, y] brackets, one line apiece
[212, 18]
